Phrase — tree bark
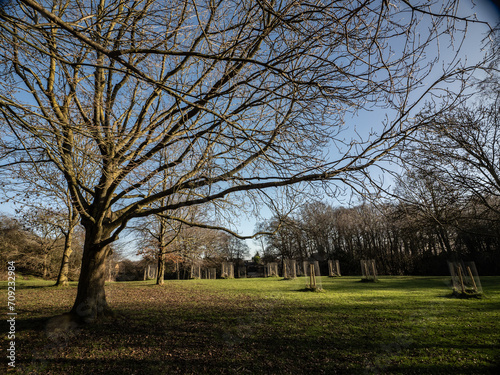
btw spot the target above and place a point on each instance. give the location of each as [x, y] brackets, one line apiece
[45, 267]
[62, 278]
[160, 275]
[90, 303]
[161, 267]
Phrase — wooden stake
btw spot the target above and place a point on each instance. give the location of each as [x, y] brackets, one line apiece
[461, 278]
[472, 278]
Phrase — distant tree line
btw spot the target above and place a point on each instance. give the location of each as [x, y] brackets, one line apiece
[404, 238]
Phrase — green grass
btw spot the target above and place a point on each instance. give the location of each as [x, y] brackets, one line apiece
[401, 325]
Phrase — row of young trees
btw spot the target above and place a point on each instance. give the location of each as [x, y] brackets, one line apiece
[144, 108]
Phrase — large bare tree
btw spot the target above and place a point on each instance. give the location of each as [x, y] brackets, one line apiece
[239, 96]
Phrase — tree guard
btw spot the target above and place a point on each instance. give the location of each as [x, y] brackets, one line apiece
[150, 272]
[465, 279]
[289, 269]
[242, 272]
[272, 269]
[195, 271]
[368, 270]
[333, 268]
[227, 270]
[313, 279]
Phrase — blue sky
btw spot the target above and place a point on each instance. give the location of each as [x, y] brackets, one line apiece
[371, 118]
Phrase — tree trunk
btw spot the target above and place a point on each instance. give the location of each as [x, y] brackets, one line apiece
[161, 254]
[161, 267]
[62, 278]
[45, 267]
[90, 303]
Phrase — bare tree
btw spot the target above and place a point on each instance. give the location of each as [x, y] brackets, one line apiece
[231, 248]
[241, 96]
[433, 205]
[161, 236]
[453, 173]
[284, 238]
[462, 146]
[318, 221]
[47, 235]
[41, 189]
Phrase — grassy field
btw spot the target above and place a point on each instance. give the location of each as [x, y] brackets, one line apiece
[401, 325]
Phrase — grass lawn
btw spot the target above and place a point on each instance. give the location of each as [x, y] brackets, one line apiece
[401, 325]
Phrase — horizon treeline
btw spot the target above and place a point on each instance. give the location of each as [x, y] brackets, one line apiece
[404, 238]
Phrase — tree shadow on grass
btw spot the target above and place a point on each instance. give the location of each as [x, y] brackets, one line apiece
[267, 356]
[167, 366]
[32, 324]
[204, 347]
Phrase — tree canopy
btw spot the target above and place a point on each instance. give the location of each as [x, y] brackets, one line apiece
[215, 97]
